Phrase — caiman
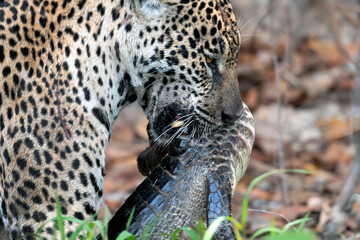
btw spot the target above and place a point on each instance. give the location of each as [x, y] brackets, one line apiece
[197, 181]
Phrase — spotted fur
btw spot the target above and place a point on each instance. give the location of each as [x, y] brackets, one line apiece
[67, 68]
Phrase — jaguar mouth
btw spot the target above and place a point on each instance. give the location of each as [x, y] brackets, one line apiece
[175, 122]
[172, 122]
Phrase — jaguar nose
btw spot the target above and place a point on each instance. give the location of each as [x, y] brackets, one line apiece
[231, 113]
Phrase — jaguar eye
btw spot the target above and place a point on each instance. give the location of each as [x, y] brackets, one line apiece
[209, 60]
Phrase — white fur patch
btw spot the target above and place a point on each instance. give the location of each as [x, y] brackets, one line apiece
[153, 8]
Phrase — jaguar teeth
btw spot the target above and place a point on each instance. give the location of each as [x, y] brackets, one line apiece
[177, 124]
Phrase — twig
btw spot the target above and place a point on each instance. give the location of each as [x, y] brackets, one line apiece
[333, 20]
[269, 212]
[271, 7]
[347, 15]
[338, 215]
[348, 7]
[280, 127]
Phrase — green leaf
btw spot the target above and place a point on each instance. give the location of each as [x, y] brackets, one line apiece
[191, 233]
[295, 222]
[125, 235]
[130, 218]
[106, 223]
[301, 227]
[200, 229]
[60, 221]
[213, 227]
[91, 233]
[175, 233]
[265, 230]
[292, 236]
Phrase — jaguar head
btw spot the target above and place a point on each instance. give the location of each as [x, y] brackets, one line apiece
[187, 66]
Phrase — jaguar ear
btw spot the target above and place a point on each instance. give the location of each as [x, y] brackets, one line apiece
[154, 8]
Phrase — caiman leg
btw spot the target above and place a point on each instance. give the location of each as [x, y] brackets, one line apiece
[219, 201]
[149, 159]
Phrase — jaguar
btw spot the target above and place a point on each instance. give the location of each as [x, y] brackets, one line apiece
[67, 69]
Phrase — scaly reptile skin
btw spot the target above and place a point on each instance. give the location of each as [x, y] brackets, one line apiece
[198, 182]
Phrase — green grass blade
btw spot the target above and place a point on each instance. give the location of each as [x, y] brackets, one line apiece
[265, 230]
[60, 221]
[213, 227]
[342, 236]
[272, 224]
[90, 234]
[175, 233]
[125, 235]
[78, 230]
[106, 223]
[237, 227]
[100, 226]
[256, 181]
[200, 229]
[295, 222]
[191, 233]
[301, 227]
[293, 236]
[130, 218]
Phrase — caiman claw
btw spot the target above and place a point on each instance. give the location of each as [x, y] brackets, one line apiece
[149, 159]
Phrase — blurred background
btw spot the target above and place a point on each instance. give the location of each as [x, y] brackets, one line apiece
[296, 71]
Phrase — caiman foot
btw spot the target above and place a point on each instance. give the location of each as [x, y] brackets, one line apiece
[149, 159]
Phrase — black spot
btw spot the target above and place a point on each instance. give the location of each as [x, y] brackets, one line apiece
[59, 166]
[39, 216]
[87, 159]
[76, 147]
[6, 71]
[27, 230]
[9, 113]
[24, 51]
[79, 215]
[64, 186]
[75, 164]
[100, 115]
[2, 55]
[29, 143]
[37, 157]
[7, 157]
[29, 185]
[115, 14]
[93, 182]
[16, 146]
[15, 175]
[83, 179]
[34, 172]
[48, 157]
[37, 199]
[128, 27]
[88, 209]
[21, 163]
[86, 93]
[24, 6]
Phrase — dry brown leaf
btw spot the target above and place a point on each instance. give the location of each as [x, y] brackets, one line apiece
[335, 153]
[334, 128]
